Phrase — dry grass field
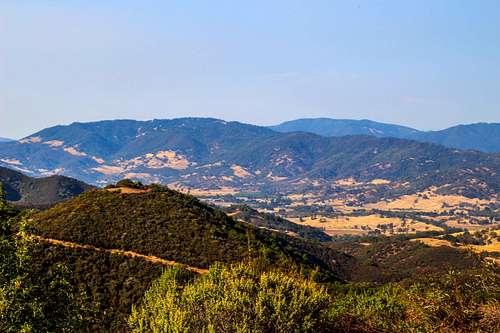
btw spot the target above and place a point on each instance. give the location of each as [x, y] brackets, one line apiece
[428, 201]
[356, 225]
[493, 244]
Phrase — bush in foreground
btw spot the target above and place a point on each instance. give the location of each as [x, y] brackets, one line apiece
[243, 298]
[233, 299]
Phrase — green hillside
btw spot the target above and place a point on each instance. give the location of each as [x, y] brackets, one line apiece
[39, 192]
[111, 283]
[170, 225]
[272, 222]
[106, 269]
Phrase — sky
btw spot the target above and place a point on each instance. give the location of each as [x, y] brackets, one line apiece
[427, 64]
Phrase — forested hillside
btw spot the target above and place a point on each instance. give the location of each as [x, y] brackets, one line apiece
[211, 153]
[102, 255]
[167, 224]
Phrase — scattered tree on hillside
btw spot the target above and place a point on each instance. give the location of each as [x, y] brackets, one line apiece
[31, 302]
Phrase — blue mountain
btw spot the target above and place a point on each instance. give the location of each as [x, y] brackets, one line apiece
[481, 136]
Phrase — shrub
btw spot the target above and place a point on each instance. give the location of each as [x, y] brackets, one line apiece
[461, 301]
[360, 308]
[235, 298]
[129, 183]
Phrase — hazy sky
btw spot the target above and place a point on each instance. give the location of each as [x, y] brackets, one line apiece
[427, 64]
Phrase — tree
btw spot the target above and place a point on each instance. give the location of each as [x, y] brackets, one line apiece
[32, 302]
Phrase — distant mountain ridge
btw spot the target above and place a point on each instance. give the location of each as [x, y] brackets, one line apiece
[480, 136]
[212, 153]
[5, 139]
[343, 127]
[39, 192]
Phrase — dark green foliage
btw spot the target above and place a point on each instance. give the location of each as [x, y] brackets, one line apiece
[244, 298]
[281, 290]
[174, 226]
[112, 283]
[31, 302]
[270, 221]
[129, 183]
[392, 260]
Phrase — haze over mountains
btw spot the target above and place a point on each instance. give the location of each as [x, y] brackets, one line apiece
[204, 152]
[480, 136]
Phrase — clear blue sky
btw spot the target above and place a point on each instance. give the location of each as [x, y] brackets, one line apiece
[427, 63]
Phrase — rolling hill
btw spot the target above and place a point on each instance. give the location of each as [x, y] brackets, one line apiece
[156, 221]
[116, 242]
[39, 192]
[211, 153]
[272, 222]
[481, 136]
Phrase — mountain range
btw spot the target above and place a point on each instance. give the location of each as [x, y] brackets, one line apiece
[212, 153]
[481, 136]
[4, 139]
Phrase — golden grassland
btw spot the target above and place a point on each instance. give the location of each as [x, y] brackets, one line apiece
[240, 171]
[355, 225]
[459, 223]
[346, 203]
[428, 201]
[494, 246]
[434, 242]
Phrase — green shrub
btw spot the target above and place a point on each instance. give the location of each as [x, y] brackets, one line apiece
[370, 309]
[129, 183]
[234, 298]
[461, 301]
[248, 298]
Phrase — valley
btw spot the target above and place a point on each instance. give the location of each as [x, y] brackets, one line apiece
[185, 200]
[249, 166]
[351, 208]
[351, 186]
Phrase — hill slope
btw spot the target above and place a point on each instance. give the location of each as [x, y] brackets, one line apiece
[163, 223]
[105, 229]
[272, 222]
[481, 136]
[27, 191]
